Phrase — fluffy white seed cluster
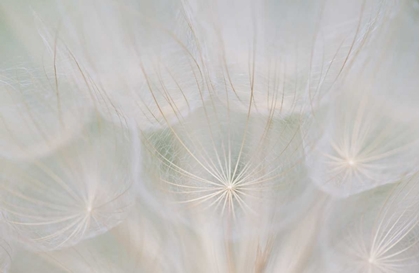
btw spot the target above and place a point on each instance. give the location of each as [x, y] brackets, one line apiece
[209, 136]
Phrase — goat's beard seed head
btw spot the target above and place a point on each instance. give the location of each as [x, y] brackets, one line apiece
[210, 136]
[141, 68]
[233, 168]
[362, 143]
[80, 191]
[6, 252]
[40, 111]
[381, 235]
[284, 68]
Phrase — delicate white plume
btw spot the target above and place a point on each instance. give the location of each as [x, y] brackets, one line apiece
[209, 136]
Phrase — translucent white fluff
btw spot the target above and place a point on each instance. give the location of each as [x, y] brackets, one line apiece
[376, 231]
[367, 135]
[227, 168]
[6, 254]
[39, 110]
[362, 145]
[137, 244]
[141, 59]
[79, 191]
[195, 136]
[282, 56]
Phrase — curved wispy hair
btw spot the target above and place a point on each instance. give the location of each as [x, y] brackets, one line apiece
[367, 135]
[223, 165]
[149, 247]
[288, 54]
[376, 231]
[139, 59]
[136, 245]
[79, 190]
[365, 143]
[155, 64]
[210, 136]
[40, 109]
[6, 252]
[244, 148]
